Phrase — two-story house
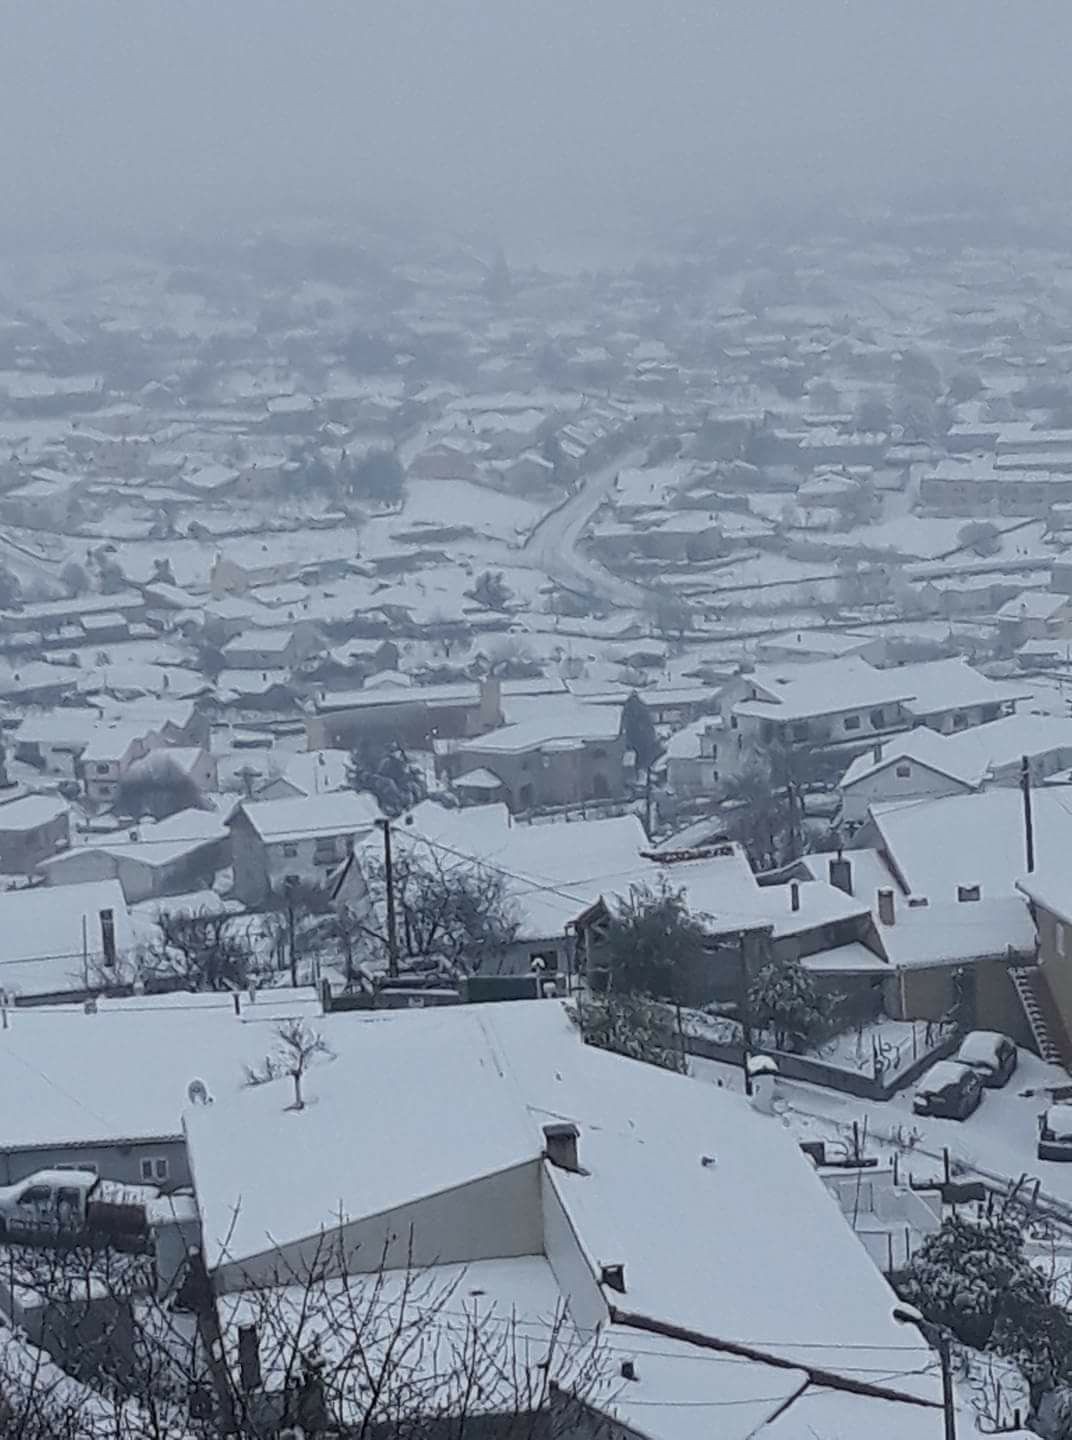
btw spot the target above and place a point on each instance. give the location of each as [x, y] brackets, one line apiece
[574, 753]
[848, 704]
[276, 843]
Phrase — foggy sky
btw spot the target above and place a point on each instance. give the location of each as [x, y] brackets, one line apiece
[510, 114]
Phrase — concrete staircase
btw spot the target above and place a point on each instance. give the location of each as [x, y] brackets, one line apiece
[1031, 988]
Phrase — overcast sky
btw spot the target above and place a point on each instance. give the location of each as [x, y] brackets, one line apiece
[516, 113]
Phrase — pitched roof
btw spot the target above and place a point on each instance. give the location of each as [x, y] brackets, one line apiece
[339, 812]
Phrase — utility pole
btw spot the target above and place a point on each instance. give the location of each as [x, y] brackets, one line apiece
[389, 883]
[744, 1014]
[949, 1409]
[1029, 822]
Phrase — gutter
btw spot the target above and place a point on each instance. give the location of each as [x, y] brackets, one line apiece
[826, 1378]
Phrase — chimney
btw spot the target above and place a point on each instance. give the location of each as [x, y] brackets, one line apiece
[249, 1358]
[794, 895]
[613, 1276]
[876, 752]
[560, 1145]
[885, 907]
[490, 703]
[966, 893]
[841, 873]
[628, 1370]
[107, 932]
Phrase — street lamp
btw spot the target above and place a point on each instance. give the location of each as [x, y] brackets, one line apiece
[939, 1337]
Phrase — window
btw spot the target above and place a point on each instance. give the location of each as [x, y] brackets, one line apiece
[714, 776]
[878, 719]
[547, 960]
[904, 772]
[102, 769]
[325, 852]
[36, 1195]
[154, 1167]
[960, 721]
[599, 753]
[290, 852]
[291, 879]
[851, 722]
[733, 722]
[1059, 938]
[90, 1165]
[800, 732]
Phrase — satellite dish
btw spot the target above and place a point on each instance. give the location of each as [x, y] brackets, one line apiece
[197, 1093]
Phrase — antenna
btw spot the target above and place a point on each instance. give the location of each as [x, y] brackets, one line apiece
[197, 1093]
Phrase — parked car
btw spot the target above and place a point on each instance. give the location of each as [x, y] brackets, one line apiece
[992, 1054]
[949, 1090]
[1055, 1133]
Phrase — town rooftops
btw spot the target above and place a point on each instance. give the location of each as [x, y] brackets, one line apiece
[339, 812]
[800, 692]
[659, 1153]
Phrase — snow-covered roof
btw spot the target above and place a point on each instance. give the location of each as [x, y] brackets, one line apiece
[938, 845]
[798, 692]
[339, 812]
[559, 724]
[1033, 605]
[935, 685]
[924, 746]
[122, 1073]
[969, 755]
[956, 932]
[660, 1153]
[48, 930]
[30, 812]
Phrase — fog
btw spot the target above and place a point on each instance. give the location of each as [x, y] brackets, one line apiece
[520, 118]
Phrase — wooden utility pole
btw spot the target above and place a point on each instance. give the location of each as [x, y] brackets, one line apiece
[1029, 820]
[389, 884]
[744, 1013]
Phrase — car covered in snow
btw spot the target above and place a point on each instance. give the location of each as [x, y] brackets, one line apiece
[992, 1054]
[1055, 1132]
[949, 1091]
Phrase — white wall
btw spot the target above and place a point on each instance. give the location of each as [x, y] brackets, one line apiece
[495, 1217]
[572, 1268]
[921, 783]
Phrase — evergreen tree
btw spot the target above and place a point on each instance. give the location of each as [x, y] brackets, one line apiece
[783, 998]
[386, 772]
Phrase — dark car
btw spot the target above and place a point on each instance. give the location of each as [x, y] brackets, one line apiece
[1055, 1133]
[949, 1090]
[994, 1056]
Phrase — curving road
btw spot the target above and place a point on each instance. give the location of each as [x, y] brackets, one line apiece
[553, 544]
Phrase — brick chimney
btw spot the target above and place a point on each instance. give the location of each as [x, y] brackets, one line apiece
[841, 873]
[560, 1145]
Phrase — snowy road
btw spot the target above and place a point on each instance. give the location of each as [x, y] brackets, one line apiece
[998, 1140]
[552, 546]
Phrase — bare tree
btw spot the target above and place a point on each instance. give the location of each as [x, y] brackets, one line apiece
[451, 911]
[205, 949]
[296, 1048]
[318, 1344]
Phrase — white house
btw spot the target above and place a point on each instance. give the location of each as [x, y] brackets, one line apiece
[925, 765]
[493, 1150]
[276, 843]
